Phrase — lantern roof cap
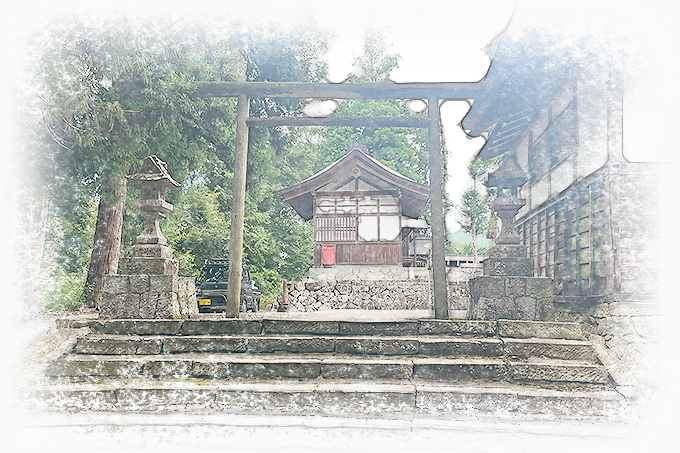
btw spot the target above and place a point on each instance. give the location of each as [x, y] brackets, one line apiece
[509, 174]
[153, 174]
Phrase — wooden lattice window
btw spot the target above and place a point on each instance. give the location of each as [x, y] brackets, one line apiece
[337, 228]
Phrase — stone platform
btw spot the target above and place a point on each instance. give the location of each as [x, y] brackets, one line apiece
[508, 288]
[366, 273]
[401, 363]
[147, 286]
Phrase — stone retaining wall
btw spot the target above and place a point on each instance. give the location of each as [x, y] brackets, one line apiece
[368, 295]
[460, 274]
[627, 333]
[463, 273]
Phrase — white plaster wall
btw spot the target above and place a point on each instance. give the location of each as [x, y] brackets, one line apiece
[592, 122]
[562, 176]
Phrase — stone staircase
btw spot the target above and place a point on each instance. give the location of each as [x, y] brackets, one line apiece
[331, 367]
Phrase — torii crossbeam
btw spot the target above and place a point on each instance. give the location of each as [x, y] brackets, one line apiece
[432, 92]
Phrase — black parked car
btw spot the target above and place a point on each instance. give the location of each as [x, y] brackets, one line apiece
[211, 288]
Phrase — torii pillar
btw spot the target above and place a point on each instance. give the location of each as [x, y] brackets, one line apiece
[238, 209]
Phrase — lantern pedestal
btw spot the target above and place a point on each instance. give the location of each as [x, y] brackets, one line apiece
[511, 297]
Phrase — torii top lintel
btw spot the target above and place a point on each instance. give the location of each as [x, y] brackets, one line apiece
[448, 90]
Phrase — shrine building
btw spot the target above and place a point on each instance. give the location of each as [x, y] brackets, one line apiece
[363, 212]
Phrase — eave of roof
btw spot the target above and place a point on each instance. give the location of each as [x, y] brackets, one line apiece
[529, 66]
[413, 194]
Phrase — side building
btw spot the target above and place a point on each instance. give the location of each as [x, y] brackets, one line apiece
[592, 217]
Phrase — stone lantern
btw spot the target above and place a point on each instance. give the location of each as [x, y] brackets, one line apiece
[508, 289]
[506, 179]
[147, 285]
[152, 180]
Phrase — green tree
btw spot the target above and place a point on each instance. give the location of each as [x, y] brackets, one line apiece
[474, 206]
[401, 149]
[375, 64]
[113, 91]
[198, 230]
[69, 235]
[277, 243]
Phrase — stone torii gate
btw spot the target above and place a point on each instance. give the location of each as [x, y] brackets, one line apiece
[432, 92]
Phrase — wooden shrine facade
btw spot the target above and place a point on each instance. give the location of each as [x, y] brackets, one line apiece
[360, 209]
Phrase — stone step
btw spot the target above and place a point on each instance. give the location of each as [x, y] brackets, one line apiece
[310, 366]
[433, 345]
[556, 371]
[539, 329]
[517, 348]
[131, 345]
[503, 328]
[339, 396]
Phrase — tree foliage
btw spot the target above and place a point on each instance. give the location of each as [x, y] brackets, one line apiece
[375, 64]
[68, 242]
[474, 206]
[111, 91]
[401, 149]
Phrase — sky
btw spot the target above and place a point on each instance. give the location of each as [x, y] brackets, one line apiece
[446, 47]
[439, 41]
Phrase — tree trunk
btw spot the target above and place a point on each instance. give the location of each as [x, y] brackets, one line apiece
[107, 240]
[30, 240]
[474, 242]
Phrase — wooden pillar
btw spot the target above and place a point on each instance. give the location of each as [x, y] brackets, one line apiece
[237, 209]
[284, 302]
[441, 305]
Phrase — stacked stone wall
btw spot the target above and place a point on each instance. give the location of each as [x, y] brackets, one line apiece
[368, 295]
[626, 333]
[463, 273]
[458, 295]
[630, 335]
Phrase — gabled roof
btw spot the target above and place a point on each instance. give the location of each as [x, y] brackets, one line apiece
[530, 64]
[357, 165]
